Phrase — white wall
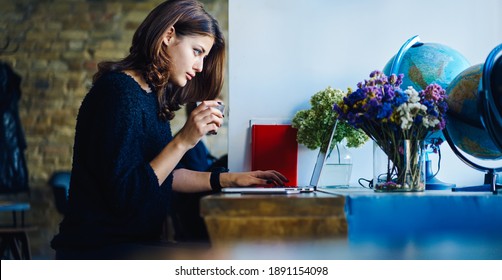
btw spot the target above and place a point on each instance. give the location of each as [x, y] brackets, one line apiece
[283, 51]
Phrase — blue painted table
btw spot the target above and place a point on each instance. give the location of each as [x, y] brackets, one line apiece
[426, 225]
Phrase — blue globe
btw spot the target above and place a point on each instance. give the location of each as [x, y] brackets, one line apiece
[464, 117]
[426, 63]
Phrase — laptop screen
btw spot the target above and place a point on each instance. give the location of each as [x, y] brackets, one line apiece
[321, 159]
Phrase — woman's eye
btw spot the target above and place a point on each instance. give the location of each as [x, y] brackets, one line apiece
[197, 51]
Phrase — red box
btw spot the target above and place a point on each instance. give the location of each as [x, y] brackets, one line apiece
[275, 147]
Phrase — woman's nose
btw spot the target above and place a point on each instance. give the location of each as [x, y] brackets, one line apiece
[199, 64]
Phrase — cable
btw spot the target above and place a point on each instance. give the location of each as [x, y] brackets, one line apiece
[370, 183]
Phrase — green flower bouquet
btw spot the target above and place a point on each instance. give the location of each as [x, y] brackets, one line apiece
[314, 125]
[314, 129]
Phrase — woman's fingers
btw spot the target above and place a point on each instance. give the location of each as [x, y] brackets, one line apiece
[280, 175]
[204, 119]
[273, 177]
[212, 118]
[208, 116]
[253, 178]
[213, 105]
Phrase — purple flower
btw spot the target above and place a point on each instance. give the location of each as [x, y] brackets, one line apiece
[375, 74]
[386, 112]
[433, 92]
[442, 124]
[442, 107]
[389, 93]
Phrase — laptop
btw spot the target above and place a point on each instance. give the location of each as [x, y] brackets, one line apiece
[314, 179]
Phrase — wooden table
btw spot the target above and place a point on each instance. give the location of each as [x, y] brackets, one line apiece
[355, 223]
[283, 218]
[354, 214]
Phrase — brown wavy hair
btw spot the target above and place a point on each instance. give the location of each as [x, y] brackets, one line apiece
[150, 59]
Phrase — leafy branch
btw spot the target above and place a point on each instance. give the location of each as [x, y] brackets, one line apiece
[314, 125]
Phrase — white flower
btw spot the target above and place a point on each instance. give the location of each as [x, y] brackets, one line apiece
[409, 110]
[430, 121]
[412, 95]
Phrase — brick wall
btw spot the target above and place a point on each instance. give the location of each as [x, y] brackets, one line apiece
[55, 47]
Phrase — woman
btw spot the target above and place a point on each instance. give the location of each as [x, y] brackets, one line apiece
[125, 157]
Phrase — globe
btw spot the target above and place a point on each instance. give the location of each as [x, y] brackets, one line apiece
[423, 64]
[474, 124]
[426, 63]
[475, 119]
[464, 122]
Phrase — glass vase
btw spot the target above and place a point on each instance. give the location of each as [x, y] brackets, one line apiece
[337, 168]
[401, 168]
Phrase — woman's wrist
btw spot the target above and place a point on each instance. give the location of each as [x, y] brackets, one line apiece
[226, 180]
[179, 143]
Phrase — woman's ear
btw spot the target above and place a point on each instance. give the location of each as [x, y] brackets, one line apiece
[169, 36]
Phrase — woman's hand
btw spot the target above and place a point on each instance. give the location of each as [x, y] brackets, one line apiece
[204, 118]
[246, 179]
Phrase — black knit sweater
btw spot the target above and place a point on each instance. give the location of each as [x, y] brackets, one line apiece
[114, 193]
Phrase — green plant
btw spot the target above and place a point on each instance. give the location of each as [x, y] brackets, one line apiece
[314, 125]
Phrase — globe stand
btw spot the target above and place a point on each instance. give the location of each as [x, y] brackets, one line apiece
[431, 183]
[490, 182]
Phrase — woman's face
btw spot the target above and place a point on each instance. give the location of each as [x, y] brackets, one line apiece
[187, 55]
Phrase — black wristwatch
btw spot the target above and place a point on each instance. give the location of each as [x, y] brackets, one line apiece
[214, 180]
